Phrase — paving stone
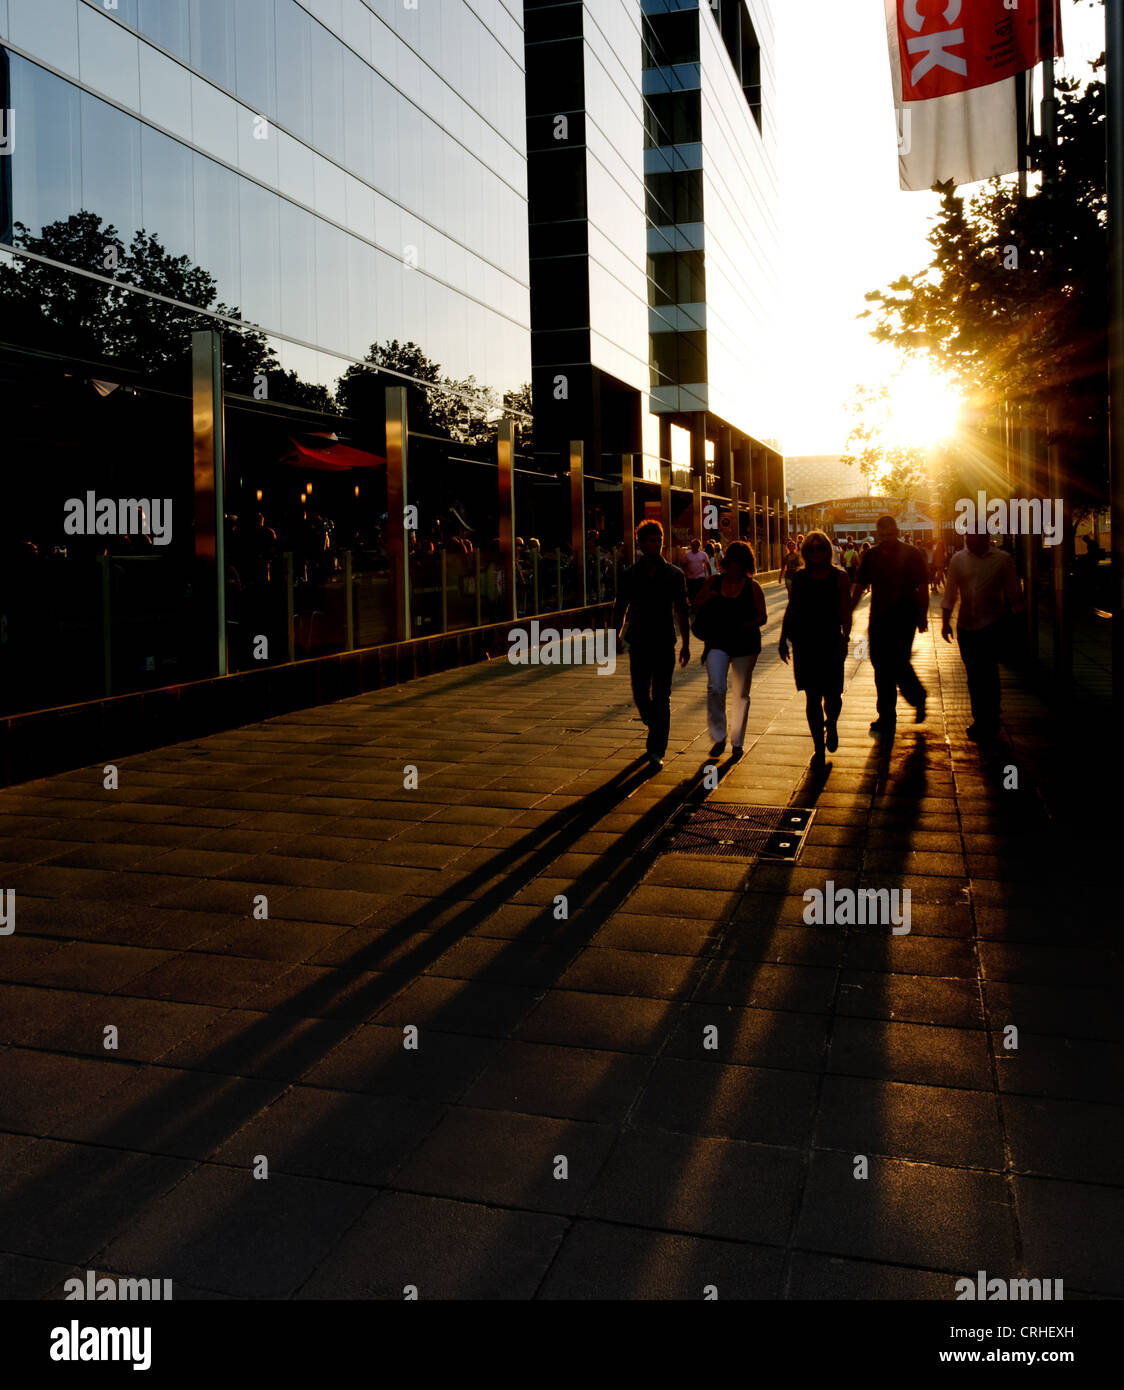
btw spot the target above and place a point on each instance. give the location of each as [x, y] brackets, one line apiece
[508, 1159]
[458, 1006]
[752, 1103]
[146, 1028]
[1065, 1011]
[507, 962]
[37, 1087]
[1072, 1231]
[446, 1250]
[911, 1052]
[760, 984]
[564, 1082]
[907, 1213]
[239, 1042]
[158, 1109]
[614, 1023]
[373, 1059]
[97, 965]
[910, 998]
[701, 1186]
[1044, 965]
[750, 1037]
[25, 1278]
[631, 973]
[222, 1229]
[1065, 1138]
[273, 939]
[63, 1202]
[831, 1277]
[1076, 1068]
[700, 904]
[194, 977]
[936, 1124]
[339, 1135]
[911, 955]
[600, 1261]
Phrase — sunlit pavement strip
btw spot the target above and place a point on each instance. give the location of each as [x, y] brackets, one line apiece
[670, 1086]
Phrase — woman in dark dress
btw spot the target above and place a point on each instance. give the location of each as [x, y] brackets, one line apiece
[818, 623]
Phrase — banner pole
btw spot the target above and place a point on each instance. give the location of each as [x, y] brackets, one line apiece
[1114, 94]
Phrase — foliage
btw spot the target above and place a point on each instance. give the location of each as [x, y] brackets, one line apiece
[94, 321]
[1012, 305]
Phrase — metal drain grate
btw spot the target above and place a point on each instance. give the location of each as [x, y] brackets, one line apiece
[732, 830]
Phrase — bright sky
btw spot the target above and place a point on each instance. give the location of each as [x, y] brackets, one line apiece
[846, 226]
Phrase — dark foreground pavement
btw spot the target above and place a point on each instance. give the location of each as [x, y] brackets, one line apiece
[679, 1084]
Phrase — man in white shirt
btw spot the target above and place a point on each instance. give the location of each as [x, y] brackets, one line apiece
[984, 579]
[694, 568]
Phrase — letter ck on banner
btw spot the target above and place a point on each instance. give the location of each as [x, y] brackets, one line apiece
[953, 62]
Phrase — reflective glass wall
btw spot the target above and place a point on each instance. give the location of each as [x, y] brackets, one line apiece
[340, 188]
[740, 197]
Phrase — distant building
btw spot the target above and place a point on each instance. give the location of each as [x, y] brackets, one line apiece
[856, 516]
[813, 477]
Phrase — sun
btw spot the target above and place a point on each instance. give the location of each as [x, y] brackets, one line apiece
[923, 408]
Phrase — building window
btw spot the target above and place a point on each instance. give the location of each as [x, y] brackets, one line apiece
[672, 37]
[740, 38]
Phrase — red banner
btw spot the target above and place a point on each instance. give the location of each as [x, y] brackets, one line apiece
[950, 46]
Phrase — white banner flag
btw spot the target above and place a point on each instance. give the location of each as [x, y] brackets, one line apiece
[954, 67]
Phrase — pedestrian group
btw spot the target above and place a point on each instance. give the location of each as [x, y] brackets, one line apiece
[824, 582]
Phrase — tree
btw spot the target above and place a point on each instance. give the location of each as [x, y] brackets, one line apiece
[1012, 304]
[462, 411]
[361, 391]
[520, 404]
[895, 469]
[94, 321]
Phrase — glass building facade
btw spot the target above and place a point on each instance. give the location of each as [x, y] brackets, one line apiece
[339, 188]
[653, 196]
[547, 222]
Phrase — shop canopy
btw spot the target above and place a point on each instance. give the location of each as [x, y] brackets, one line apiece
[329, 455]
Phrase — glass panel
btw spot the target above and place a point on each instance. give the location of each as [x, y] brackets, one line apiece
[255, 54]
[166, 22]
[298, 272]
[260, 228]
[167, 193]
[111, 166]
[108, 56]
[212, 39]
[47, 161]
[294, 69]
[216, 228]
[327, 85]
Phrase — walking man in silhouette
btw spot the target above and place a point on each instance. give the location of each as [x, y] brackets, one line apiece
[654, 595]
[984, 578]
[898, 578]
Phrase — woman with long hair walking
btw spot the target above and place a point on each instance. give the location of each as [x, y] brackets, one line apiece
[731, 612]
[818, 623]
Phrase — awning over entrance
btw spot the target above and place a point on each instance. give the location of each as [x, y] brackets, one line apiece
[330, 456]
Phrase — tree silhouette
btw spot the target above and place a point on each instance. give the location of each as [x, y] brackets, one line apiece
[1012, 305]
[50, 308]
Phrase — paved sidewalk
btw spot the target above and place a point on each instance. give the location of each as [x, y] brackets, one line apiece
[564, 1127]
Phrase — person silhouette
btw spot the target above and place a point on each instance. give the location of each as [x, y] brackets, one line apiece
[898, 579]
[818, 623]
[984, 579]
[730, 615]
